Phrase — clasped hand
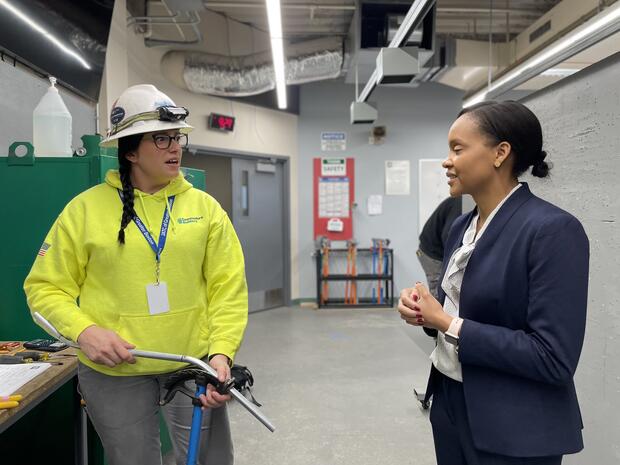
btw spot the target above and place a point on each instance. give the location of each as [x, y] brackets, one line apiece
[418, 307]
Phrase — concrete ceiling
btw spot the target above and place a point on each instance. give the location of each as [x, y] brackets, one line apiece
[239, 27]
[300, 18]
[462, 18]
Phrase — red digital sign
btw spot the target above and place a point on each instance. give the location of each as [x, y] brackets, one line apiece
[221, 122]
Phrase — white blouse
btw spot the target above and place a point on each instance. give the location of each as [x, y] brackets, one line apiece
[445, 357]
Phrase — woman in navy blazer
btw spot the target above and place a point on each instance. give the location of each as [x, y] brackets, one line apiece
[513, 343]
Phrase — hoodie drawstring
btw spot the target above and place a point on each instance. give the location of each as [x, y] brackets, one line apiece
[146, 213]
[172, 220]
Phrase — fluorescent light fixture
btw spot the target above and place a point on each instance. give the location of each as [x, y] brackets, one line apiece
[477, 98]
[274, 17]
[41, 30]
[559, 72]
[417, 11]
[471, 72]
[606, 23]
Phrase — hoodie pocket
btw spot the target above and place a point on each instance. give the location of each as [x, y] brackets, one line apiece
[179, 332]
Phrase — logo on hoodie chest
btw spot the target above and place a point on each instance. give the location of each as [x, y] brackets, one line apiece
[189, 219]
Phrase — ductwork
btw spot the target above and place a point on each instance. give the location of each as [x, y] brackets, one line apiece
[243, 76]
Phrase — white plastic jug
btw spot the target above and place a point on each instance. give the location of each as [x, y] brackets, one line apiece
[51, 123]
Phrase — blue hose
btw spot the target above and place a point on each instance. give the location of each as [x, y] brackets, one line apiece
[194, 434]
[374, 267]
[386, 270]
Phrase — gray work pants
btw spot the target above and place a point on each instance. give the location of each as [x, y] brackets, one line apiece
[432, 270]
[124, 411]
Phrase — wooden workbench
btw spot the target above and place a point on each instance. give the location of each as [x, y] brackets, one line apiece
[42, 386]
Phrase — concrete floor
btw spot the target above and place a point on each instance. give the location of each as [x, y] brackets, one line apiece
[338, 385]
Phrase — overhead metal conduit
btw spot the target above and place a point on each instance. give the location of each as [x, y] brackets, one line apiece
[414, 16]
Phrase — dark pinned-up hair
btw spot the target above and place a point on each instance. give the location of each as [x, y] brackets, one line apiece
[514, 123]
[125, 145]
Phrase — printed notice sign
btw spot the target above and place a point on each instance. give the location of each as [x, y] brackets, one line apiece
[397, 177]
[334, 198]
[333, 141]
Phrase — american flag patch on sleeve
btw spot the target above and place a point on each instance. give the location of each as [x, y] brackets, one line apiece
[43, 250]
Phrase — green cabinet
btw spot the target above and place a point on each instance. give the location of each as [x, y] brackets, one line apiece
[33, 196]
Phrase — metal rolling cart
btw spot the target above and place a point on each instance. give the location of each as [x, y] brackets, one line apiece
[380, 259]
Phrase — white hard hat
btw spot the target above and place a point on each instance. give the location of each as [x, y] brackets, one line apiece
[141, 109]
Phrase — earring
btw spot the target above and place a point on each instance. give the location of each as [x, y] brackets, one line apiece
[498, 164]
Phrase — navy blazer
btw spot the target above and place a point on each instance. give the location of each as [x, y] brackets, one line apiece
[523, 301]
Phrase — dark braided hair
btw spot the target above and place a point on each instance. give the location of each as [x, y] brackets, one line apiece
[125, 145]
[514, 123]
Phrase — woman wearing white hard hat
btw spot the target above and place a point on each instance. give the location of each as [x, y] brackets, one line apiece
[107, 282]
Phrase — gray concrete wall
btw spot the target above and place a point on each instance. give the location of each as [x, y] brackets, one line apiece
[417, 122]
[20, 92]
[580, 118]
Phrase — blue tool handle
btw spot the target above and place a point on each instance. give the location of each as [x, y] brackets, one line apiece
[194, 433]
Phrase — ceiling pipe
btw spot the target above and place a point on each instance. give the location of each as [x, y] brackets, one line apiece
[160, 21]
[345, 7]
[296, 6]
[242, 76]
[193, 21]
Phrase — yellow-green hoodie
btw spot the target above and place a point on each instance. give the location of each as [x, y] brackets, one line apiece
[86, 277]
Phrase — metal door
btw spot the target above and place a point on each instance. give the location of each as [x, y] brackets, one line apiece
[258, 217]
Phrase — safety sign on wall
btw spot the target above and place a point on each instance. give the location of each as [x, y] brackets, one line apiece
[333, 197]
[333, 141]
[333, 166]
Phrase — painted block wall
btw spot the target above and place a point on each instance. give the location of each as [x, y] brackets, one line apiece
[580, 116]
[417, 121]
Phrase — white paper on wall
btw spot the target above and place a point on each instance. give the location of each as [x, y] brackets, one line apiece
[434, 189]
[375, 204]
[397, 178]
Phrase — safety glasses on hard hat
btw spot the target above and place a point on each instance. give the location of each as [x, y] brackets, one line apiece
[169, 114]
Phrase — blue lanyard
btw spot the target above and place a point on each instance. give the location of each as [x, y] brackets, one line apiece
[163, 234]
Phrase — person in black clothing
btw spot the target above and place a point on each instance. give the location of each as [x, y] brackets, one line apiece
[434, 236]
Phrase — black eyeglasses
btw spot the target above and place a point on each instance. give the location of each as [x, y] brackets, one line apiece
[163, 141]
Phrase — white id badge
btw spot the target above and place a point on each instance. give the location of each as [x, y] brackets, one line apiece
[157, 296]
